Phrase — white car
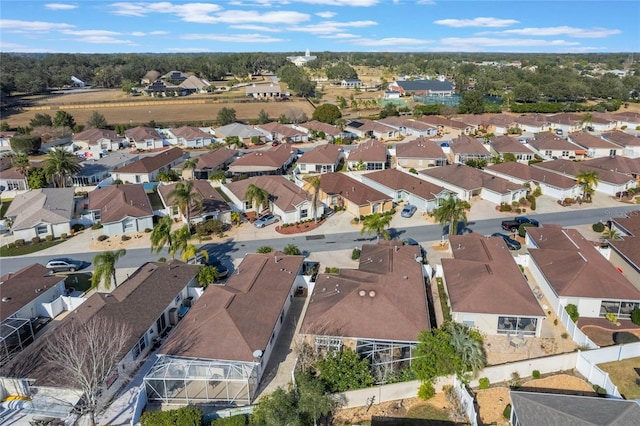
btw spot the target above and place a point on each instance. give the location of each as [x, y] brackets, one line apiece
[265, 220]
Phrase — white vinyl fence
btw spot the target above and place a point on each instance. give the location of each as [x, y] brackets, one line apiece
[587, 364]
[576, 334]
[467, 401]
[141, 402]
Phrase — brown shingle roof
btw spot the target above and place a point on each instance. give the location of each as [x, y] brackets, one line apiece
[271, 159]
[547, 140]
[319, 126]
[350, 189]
[212, 201]
[280, 129]
[532, 174]
[152, 163]
[484, 278]
[215, 158]
[283, 193]
[370, 150]
[574, 268]
[383, 299]
[189, 133]
[587, 140]
[116, 202]
[92, 136]
[435, 120]
[397, 180]
[470, 178]
[616, 163]
[628, 246]
[621, 138]
[573, 168]
[231, 321]
[21, 287]
[532, 120]
[420, 148]
[404, 122]
[322, 154]
[464, 144]
[506, 144]
[139, 134]
[365, 125]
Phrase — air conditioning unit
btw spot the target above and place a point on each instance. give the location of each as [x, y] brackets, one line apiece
[188, 302]
[173, 316]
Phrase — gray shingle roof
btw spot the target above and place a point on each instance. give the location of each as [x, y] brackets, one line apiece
[47, 205]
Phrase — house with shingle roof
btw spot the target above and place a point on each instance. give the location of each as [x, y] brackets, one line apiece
[566, 121]
[211, 205]
[625, 250]
[315, 128]
[143, 138]
[445, 126]
[273, 161]
[368, 155]
[423, 87]
[468, 182]
[619, 164]
[121, 209]
[420, 152]
[627, 119]
[42, 212]
[501, 145]
[286, 200]
[550, 146]
[94, 142]
[193, 84]
[323, 158]
[551, 184]
[247, 134]
[146, 168]
[213, 161]
[486, 288]
[95, 171]
[630, 144]
[221, 349]
[364, 128]
[269, 90]
[379, 308]
[570, 270]
[410, 127]
[280, 132]
[595, 146]
[532, 123]
[11, 179]
[465, 148]
[189, 137]
[340, 190]
[501, 123]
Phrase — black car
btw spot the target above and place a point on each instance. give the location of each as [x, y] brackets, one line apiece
[411, 242]
[510, 242]
[213, 261]
[524, 219]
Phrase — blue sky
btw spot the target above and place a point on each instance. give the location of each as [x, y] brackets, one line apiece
[88, 26]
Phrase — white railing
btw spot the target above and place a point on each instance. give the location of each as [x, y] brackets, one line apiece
[466, 401]
[576, 334]
[141, 402]
[587, 364]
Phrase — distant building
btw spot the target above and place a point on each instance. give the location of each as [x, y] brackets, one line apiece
[76, 82]
[302, 60]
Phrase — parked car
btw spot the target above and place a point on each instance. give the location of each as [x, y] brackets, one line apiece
[408, 210]
[212, 261]
[275, 143]
[524, 219]
[514, 224]
[64, 264]
[510, 242]
[411, 242]
[265, 220]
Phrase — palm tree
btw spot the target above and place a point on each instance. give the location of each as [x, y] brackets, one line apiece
[471, 351]
[611, 234]
[59, 164]
[105, 268]
[451, 210]
[190, 164]
[341, 123]
[20, 162]
[314, 183]
[588, 179]
[180, 241]
[161, 234]
[258, 197]
[191, 251]
[586, 120]
[236, 217]
[184, 197]
[377, 223]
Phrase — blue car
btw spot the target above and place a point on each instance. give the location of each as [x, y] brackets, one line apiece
[510, 242]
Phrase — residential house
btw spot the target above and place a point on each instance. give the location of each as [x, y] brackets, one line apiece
[150, 302]
[378, 309]
[594, 146]
[478, 122]
[630, 144]
[340, 190]
[315, 128]
[274, 161]
[625, 251]
[351, 83]
[599, 122]
[368, 155]
[26, 296]
[551, 184]
[10, 178]
[94, 143]
[323, 158]
[175, 76]
[121, 209]
[41, 213]
[619, 164]
[501, 145]
[279, 132]
[570, 270]
[566, 121]
[391, 94]
[627, 119]
[419, 153]
[5, 140]
[532, 123]
[146, 169]
[466, 148]
[409, 127]
[501, 123]
[364, 128]
[264, 91]
[287, 201]
[99, 170]
[468, 182]
[423, 87]
[193, 84]
[401, 186]
[445, 126]
[609, 182]
[487, 290]
[209, 205]
[143, 138]
[219, 353]
[246, 134]
[549, 146]
[213, 161]
[161, 88]
[150, 77]
[538, 408]
[189, 137]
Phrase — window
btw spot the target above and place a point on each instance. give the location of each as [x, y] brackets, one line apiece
[139, 347]
[42, 229]
[565, 153]
[97, 215]
[304, 213]
[303, 167]
[178, 298]
[507, 325]
[612, 153]
[548, 153]
[619, 309]
[161, 323]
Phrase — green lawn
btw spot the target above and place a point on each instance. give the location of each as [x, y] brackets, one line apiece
[4, 205]
[27, 248]
[625, 375]
[81, 281]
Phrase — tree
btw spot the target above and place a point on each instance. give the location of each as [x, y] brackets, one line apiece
[327, 113]
[184, 197]
[161, 234]
[526, 92]
[314, 184]
[59, 165]
[344, 370]
[207, 275]
[4, 126]
[341, 71]
[226, 116]
[179, 241]
[471, 102]
[276, 408]
[389, 110]
[190, 164]
[263, 117]
[97, 120]
[236, 218]
[313, 400]
[167, 175]
[587, 120]
[611, 234]
[37, 178]
[291, 249]
[257, 197]
[468, 345]
[25, 143]
[105, 268]
[588, 179]
[450, 210]
[20, 162]
[40, 120]
[87, 353]
[340, 123]
[377, 223]
[63, 119]
[434, 355]
[233, 141]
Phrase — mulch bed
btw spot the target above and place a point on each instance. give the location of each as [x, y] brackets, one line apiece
[298, 229]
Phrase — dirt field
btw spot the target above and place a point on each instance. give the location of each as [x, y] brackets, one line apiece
[626, 375]
[388, 409]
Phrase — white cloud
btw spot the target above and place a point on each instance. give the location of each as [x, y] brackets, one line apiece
[60, 6]
[151, 33]
[391, 41]
[331, 27]
[158, 32]
[562, 30]
[234, 38]
[102, 40]
[340, 36]
[249, 16]
[427, 2]
[91, 33]
[326, 15]
[478, 43]
[355, 3]
[32, 26]
[189, 12]
[477, 22]
[252, 27]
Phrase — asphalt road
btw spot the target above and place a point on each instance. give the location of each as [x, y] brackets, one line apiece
[231, 249]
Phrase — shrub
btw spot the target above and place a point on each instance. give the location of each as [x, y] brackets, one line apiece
[63, 236]
[264, 249]
[49, 238]
[162, 259]
[535, 374]
[78, 227]
[238, 420]
[504, 207]
[96, 225]
[484, 383]
[426, 391]
[598, 227]
[507, 412]
[147, 230]
[533, 204]
[622, 337]
[565, 335]
[635, 316]
[611, 317]
[35, 240]
[102, 237]
[19, 242]
[555, 321]
[572, 310]
[413, 171]
[125, 238]
[600, 390]
[355, 254]
[186, 416]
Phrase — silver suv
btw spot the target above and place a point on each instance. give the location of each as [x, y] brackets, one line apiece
[64, 264]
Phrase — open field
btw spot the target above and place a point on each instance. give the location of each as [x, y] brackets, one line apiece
[625, 375]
